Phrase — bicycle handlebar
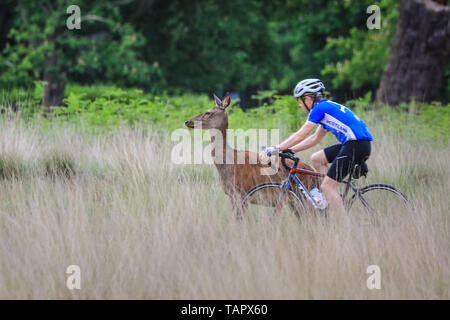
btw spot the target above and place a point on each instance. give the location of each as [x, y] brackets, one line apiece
[288, 154]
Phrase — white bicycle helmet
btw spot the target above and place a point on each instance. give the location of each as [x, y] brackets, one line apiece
[308, 86]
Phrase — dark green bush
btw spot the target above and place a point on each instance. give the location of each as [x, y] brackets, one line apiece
[59, 165]
[12, 167]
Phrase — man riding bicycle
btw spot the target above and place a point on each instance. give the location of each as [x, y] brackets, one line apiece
[352, 133]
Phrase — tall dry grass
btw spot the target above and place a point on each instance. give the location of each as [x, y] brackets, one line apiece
[141, 227]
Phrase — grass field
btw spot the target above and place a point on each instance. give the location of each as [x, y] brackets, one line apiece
[140, 226]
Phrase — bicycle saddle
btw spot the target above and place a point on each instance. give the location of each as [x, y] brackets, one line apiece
[360, 169]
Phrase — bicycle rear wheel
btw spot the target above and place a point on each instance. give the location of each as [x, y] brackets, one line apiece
[264, 198]
[380, 199]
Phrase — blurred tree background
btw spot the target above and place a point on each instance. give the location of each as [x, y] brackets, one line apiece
[200, 46]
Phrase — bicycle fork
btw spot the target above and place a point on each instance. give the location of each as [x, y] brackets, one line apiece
[284, 189]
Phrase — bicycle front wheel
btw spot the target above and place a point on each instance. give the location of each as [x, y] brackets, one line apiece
[380, 199]
[267, 199]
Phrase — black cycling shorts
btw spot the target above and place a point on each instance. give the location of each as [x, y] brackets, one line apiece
[343, 156]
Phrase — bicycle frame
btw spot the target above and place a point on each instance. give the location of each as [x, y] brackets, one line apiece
[293, 179]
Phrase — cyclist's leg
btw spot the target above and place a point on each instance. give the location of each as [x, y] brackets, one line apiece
[320, 159]
[329, 188]
[339, 168]
[351, 152]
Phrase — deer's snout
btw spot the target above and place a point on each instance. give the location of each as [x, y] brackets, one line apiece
[189, 124]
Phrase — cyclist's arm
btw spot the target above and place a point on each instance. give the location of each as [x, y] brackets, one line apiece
[311, 141]
[300, 135]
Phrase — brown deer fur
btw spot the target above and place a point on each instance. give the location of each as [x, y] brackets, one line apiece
[236, 179]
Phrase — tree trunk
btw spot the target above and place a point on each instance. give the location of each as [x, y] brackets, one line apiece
[54, 89]
[53, 92]
[419, 53]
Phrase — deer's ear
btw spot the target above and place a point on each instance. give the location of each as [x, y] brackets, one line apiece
[226, 100]
[217, 100]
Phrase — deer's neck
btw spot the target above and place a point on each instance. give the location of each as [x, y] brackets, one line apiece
[220, 150]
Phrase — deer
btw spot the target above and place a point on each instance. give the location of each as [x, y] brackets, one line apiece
[238, 177]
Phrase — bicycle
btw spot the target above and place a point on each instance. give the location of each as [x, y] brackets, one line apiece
[374, 198]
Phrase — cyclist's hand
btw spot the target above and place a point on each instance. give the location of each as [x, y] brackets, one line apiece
[264, 156]
[290, 151]
[271, 150]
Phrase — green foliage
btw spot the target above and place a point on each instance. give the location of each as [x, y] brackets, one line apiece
[282, 112]
[422, 122]
[27, 102]
[111, 106]
[202, 46]
[38, 92]
[304, 32]
[209, 45]
[104, 49]
[362, 55]
[103, 108]
[436, 118]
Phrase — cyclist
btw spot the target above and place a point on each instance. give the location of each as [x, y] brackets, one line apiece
[349, 129]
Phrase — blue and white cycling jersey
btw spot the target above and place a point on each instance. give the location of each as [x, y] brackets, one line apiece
[340, 120]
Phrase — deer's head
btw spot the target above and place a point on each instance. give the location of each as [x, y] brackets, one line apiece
[213, 118]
